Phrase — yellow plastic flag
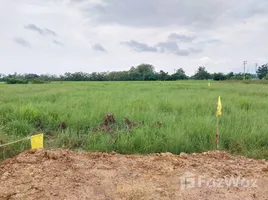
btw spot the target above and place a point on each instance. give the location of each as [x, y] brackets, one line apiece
[37, 141]
[219, 107]
[208, 84]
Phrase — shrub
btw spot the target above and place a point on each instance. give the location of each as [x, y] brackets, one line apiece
[38, 81]
[16, 81]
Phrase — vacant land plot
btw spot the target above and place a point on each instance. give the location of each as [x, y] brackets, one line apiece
[137, 117]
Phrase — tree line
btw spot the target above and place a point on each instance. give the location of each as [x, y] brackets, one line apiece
[143, 72]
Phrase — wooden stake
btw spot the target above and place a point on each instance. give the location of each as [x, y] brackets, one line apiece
[3, 149]
[217, 135]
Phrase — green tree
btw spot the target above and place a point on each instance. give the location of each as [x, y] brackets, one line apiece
[163, 76]
[219, 76]
[180, 71]
[262, 71]
[142, 72]
[202, 74]
[179, 75]
[240, 76]
[230, 75]
[30, 77]
[145, 71]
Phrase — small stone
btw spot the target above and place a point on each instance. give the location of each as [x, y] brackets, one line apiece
[166, 154]
[5, 176]
[169, 154]
[183, 155]
[159, 189]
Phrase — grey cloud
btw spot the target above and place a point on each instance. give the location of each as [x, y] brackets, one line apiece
[154, 12]
[182, 52]
[56, 42]
[194, 50]
[139, 47]
[49, 32]
[45, 31]
[211, 41]
[207, 43]
[249, 8]
[162, 47]
[180, 37]
[21, 41]
[192, 13]
[173, 48]
[78, 1]
[98, 47]
[34, 28]
[169, 46]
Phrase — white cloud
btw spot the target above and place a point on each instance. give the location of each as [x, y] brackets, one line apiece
[205, 61]
[218, 37]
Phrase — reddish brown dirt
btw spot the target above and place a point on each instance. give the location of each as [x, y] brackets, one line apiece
[63, 174]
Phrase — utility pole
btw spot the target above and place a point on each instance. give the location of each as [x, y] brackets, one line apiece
[244, 63]
[256, 67]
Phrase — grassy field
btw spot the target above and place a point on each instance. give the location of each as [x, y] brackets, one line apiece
[178, 116]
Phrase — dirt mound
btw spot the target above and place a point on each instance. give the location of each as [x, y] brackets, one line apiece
[63, 174]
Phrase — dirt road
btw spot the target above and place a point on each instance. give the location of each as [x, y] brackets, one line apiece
[63, 174]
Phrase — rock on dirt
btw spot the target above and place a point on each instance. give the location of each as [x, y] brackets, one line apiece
[64, 174]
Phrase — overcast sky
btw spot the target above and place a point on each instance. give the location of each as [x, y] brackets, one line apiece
[56, 36]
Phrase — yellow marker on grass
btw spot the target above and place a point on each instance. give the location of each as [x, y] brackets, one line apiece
[218, 113]
[219, 107]
[37, 141]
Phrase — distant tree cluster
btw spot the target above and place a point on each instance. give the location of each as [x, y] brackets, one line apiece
[143, 72]
[23, 79]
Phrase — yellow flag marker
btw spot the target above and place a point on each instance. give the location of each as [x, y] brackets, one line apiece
[219, 107]
[218, 113]
[37, 141]
[208, 84]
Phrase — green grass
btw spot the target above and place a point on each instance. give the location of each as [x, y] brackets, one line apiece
[186, 110]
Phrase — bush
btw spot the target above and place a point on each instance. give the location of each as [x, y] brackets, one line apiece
[16, 81]
[38, 81]
[219, 77]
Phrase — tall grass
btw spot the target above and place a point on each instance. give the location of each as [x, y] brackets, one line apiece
[185, 109]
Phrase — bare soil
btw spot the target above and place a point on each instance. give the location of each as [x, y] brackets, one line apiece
[64, 174]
